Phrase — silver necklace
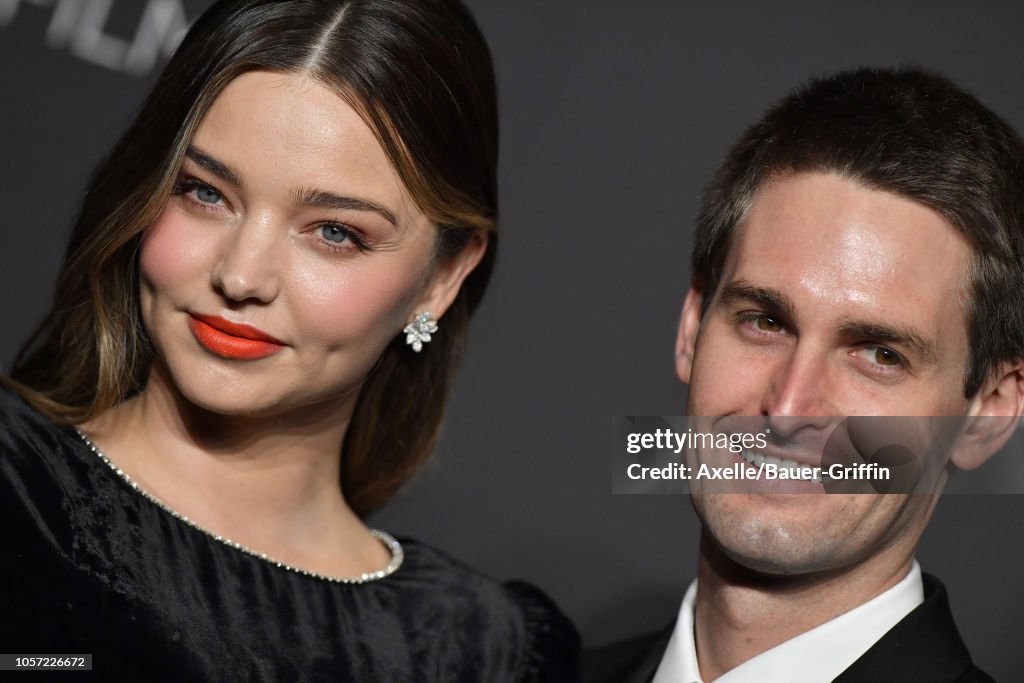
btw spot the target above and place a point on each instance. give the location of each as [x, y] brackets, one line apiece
[389, 541]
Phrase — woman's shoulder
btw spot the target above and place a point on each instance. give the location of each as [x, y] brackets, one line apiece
[517, 610]
[24, 430]
[554, 643]
[39, 459]
[450, 578]
[16, 415]
[33, 448]
[13, 408]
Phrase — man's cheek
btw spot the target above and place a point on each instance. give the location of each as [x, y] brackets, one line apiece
[721, 384]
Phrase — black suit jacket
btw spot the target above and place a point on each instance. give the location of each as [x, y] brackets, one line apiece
[924, 647]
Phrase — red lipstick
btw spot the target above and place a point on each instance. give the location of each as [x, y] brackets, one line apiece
[232, 340]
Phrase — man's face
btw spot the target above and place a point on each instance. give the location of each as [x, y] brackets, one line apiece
[835, 300]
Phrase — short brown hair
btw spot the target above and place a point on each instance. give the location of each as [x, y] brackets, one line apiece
[909, 132]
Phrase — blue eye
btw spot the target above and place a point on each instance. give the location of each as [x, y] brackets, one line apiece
[199, 194]
[333, 232]
[207, 194]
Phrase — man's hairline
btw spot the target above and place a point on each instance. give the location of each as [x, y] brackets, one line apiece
[699, 281]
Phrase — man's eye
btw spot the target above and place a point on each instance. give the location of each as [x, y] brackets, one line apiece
[760, 323]
[767, 324]
[884, 356]
[881, 356]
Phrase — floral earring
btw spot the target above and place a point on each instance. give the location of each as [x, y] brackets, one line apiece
[418, 332]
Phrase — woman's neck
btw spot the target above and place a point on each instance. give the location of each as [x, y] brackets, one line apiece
[270, 483]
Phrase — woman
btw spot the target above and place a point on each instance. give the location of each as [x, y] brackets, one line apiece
[310, 187]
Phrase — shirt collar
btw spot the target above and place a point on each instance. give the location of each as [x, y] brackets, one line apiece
[820, 654]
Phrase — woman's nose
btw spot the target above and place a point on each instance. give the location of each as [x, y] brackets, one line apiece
[248, 266]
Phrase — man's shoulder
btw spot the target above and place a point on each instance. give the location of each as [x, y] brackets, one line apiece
[924, 646]
[975, 675]
[625, 661]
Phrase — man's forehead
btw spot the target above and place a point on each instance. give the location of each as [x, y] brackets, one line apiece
[830, 238]
[846, 256]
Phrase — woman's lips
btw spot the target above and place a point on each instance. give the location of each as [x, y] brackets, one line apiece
[232, 340]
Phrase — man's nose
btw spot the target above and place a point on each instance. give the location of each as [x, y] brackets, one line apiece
[799, 392]
[248, 265]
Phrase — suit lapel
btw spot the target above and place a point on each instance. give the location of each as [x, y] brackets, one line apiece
[923, 646]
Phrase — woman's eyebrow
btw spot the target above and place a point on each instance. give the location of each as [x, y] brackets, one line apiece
[218, 168]
[323, 199]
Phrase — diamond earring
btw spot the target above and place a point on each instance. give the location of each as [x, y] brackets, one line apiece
[419, 330]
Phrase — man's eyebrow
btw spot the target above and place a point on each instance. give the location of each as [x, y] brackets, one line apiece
[218, 168]
[889, 334]
[322, 199]
[771, 299]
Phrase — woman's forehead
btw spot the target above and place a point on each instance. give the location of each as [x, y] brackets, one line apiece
[287, 132]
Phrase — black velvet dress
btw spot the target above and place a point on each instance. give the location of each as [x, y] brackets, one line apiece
[90, 566]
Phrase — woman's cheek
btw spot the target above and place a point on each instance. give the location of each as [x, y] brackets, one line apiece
[340, 305]
[174, 253]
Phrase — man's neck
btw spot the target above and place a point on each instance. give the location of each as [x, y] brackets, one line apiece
[740, 614]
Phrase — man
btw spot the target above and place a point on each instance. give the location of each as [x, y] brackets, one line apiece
[859, 252]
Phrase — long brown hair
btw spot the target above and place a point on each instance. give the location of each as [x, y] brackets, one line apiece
[420, 74]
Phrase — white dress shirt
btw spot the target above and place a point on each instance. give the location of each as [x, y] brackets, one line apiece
[817, 656]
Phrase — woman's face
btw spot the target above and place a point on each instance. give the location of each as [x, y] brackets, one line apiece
[288, 220]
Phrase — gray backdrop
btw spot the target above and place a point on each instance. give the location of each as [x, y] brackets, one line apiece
[613, 115]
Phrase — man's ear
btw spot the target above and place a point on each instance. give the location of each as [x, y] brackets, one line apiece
[449, 274]
[686, 339]
[995, 412]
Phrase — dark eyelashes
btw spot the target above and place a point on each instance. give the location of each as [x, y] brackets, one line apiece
[751, 317]
[353, 235]
[182, 185]
[186, 185]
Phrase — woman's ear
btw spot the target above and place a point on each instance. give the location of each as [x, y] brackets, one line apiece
[449, 274]
[686, 339]
[995, 412]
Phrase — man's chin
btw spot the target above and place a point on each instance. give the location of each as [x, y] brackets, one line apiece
[767, 562]
[777, 535]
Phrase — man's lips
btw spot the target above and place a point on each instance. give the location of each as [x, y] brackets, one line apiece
[232, 340]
